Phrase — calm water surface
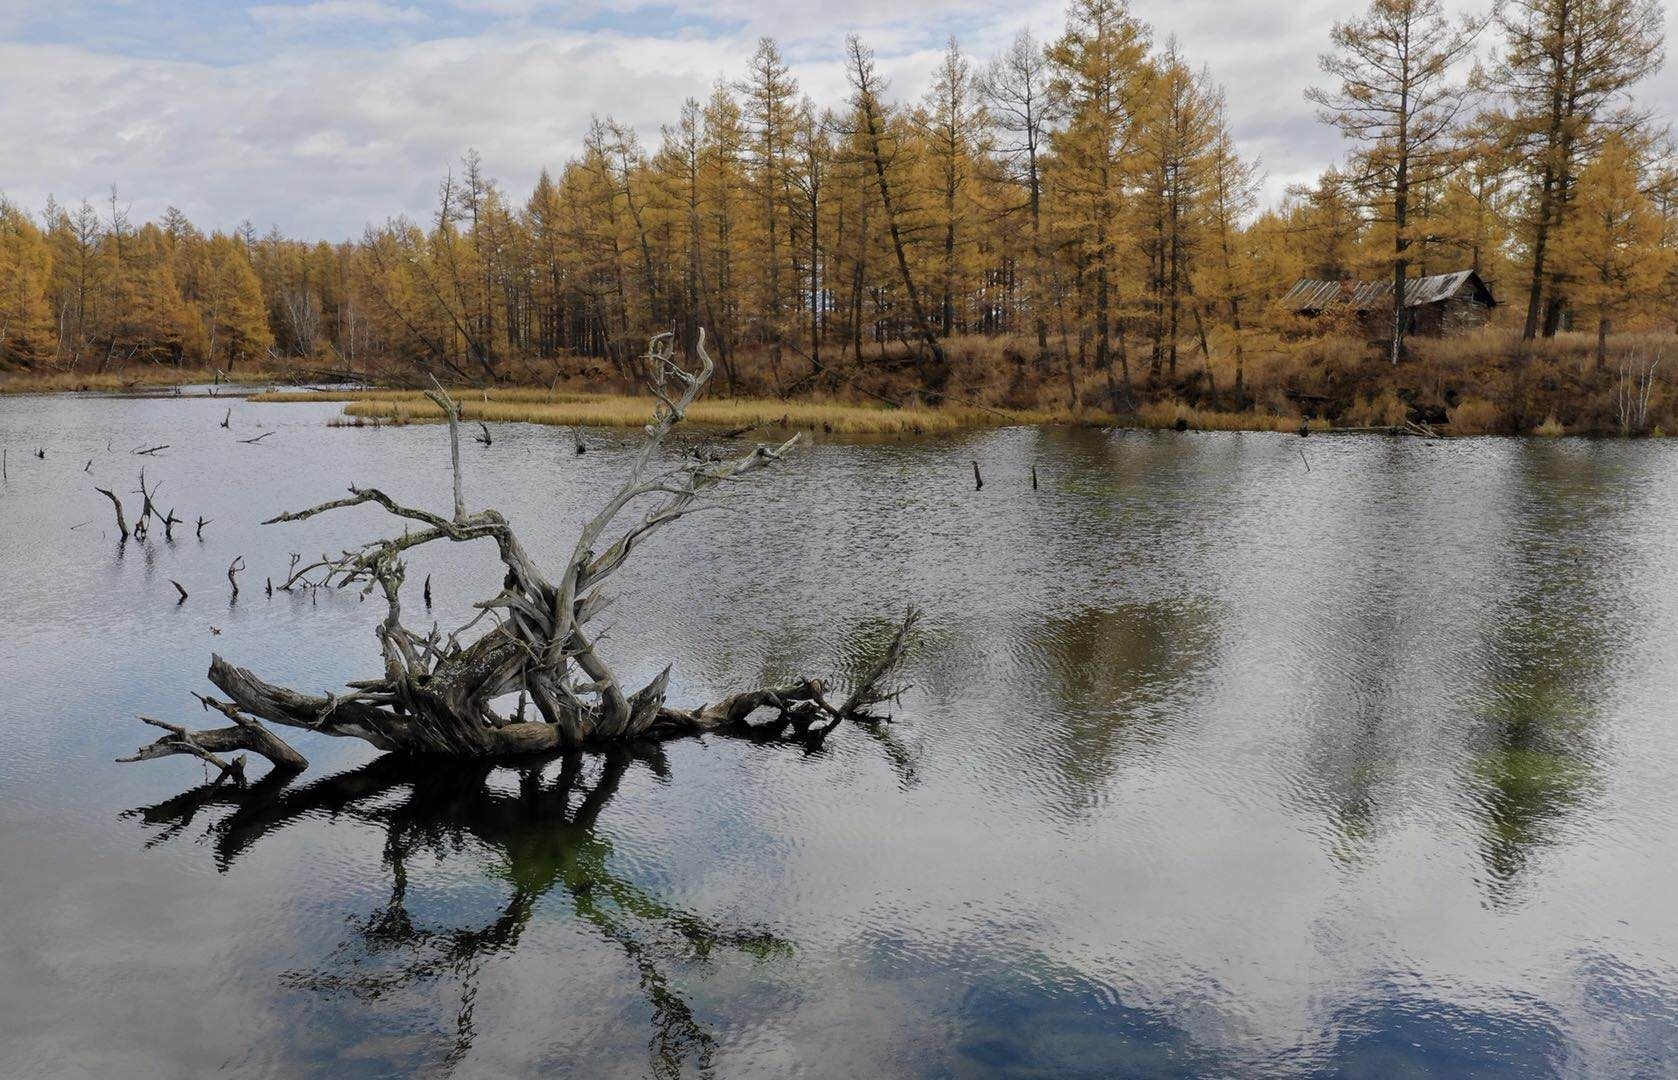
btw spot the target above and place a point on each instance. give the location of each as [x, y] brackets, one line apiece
[1213, 764]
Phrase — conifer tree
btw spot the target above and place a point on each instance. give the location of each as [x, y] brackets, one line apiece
[26, 324]
[1398, 101]
[1016, 91]
[1612, 241]
[1563, 79]
[1101, 78]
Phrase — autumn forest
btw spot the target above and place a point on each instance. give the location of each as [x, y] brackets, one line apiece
[1069, 223]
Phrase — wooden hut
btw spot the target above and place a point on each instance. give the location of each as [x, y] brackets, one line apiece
[1435, 305]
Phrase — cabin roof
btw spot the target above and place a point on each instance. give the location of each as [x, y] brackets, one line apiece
[1310, 295]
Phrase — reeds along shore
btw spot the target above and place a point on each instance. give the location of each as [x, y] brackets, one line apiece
[1480, 383]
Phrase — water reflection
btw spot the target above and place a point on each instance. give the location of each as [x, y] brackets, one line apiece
[537, 822]
[1533, 752]
[1213, 764]
[1113, 683]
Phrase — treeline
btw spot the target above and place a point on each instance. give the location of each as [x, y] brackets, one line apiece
[1084, 196]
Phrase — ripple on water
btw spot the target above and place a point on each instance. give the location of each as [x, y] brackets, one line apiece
[1208, 765]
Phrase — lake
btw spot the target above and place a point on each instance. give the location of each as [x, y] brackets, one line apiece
[1222, 754]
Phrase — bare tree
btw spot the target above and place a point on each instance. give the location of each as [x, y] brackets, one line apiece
[437, 694]
[303, 315]
[1632, 392]
[1019, 106]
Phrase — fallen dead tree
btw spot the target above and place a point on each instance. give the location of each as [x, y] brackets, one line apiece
[438, 691]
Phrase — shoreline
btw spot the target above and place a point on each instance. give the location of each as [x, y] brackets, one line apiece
[567, 407]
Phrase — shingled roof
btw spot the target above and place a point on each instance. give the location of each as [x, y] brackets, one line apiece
[1309, 295]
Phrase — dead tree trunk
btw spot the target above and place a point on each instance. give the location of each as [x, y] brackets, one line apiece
[436, 692]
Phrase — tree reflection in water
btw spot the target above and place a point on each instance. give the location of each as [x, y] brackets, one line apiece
[544, 829]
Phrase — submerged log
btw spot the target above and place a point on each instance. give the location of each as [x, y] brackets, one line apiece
[436, 693]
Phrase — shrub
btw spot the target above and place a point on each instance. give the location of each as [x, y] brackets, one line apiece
[1382, 410]
[1476, 416]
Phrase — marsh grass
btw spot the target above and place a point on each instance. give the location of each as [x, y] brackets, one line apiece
[575, 409]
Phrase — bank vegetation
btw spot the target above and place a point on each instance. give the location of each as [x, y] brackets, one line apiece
[1066, 228]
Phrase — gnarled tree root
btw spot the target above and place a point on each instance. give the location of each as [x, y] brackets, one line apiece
[436, 692]
[797, 711]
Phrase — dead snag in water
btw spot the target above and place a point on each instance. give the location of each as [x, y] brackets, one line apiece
[484, 438]
[203, 521]
[152, 450]
[180, 589]
[428, 592]
[258, 439]
[227, 421]
[1034, 478]
[148, 508]
[169, 523]
[978, 481]
[437, 690]
[122, 521]
[233, 569]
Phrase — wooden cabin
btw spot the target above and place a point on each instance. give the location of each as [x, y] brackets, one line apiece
[1434, 306]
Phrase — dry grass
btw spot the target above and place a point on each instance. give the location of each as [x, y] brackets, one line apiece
[1551, 428]
[1486, 380]
[132, 378]
[362, 421]
[1166, 414]
[1482, 381]
[1477, 416]
[509, 394]
[570, 409]
[1384, 409]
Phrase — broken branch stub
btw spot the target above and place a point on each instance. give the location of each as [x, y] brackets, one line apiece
[436, 692]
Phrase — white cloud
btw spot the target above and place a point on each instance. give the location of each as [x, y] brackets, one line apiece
[324, 12]
[322, 140]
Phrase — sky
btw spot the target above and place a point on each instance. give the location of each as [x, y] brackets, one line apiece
[320, 116]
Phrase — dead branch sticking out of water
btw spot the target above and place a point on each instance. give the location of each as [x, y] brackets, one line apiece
[436, 692]
[122, 521]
